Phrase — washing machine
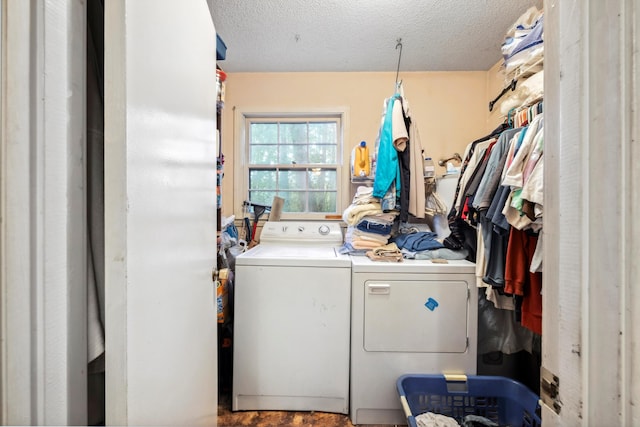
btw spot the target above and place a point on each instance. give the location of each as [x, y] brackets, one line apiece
[292, 320]
[414, 316]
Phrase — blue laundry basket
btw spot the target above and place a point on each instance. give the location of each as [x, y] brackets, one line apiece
[500, 399]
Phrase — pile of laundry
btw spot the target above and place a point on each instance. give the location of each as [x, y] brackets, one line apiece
[376, 234]
[419, 242]
[431, 419]
[368, 227]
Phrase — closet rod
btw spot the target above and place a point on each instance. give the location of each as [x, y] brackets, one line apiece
[511, 86]
[398, 43]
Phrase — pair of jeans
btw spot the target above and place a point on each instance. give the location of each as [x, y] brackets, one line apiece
[374, 227]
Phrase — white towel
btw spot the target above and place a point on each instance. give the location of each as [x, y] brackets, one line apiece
[354, 213]
[429, 419]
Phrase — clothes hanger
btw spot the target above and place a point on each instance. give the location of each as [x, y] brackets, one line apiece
[511, 118]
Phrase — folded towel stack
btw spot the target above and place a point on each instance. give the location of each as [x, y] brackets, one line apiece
[363, 196]
[389, 252]
[367, 226]
[354, 213]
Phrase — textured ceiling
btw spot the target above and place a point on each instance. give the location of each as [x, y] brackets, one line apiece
[361, 35]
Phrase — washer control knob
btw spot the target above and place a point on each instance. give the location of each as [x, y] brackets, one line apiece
[324, 230]
[300, 228]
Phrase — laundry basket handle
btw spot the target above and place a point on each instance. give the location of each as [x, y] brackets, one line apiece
[455, 378]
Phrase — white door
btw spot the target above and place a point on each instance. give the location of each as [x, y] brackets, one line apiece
[161, 362]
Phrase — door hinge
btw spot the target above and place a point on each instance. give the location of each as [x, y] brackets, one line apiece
[550, 390]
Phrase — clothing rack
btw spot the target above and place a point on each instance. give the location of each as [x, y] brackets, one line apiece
[521, 116]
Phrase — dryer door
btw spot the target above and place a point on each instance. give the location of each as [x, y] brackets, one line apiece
[416, 316]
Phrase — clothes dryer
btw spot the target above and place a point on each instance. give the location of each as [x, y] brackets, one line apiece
[411, 317]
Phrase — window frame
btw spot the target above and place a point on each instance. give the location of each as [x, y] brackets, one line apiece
[243, 119]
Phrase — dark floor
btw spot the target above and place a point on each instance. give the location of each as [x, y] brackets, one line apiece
[227, 418]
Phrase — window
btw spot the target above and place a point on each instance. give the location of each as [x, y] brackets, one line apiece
[298, 158]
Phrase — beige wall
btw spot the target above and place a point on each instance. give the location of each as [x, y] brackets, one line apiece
[450, 108]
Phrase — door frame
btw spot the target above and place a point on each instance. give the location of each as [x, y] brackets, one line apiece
[42, 205]
[591, 237]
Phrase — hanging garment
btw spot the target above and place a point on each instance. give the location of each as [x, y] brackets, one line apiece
[387, 170]
[403, 145]
[498, 329]
[520, 281]
[518, 176]
[474, 161]
[417, 201]
[532, 191]
[467, 155]
[491, 177]
[497, 239]
[514, 173]
[468, 211]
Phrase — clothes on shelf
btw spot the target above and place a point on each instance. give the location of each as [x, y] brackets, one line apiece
[523, 46]
[527, 92]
